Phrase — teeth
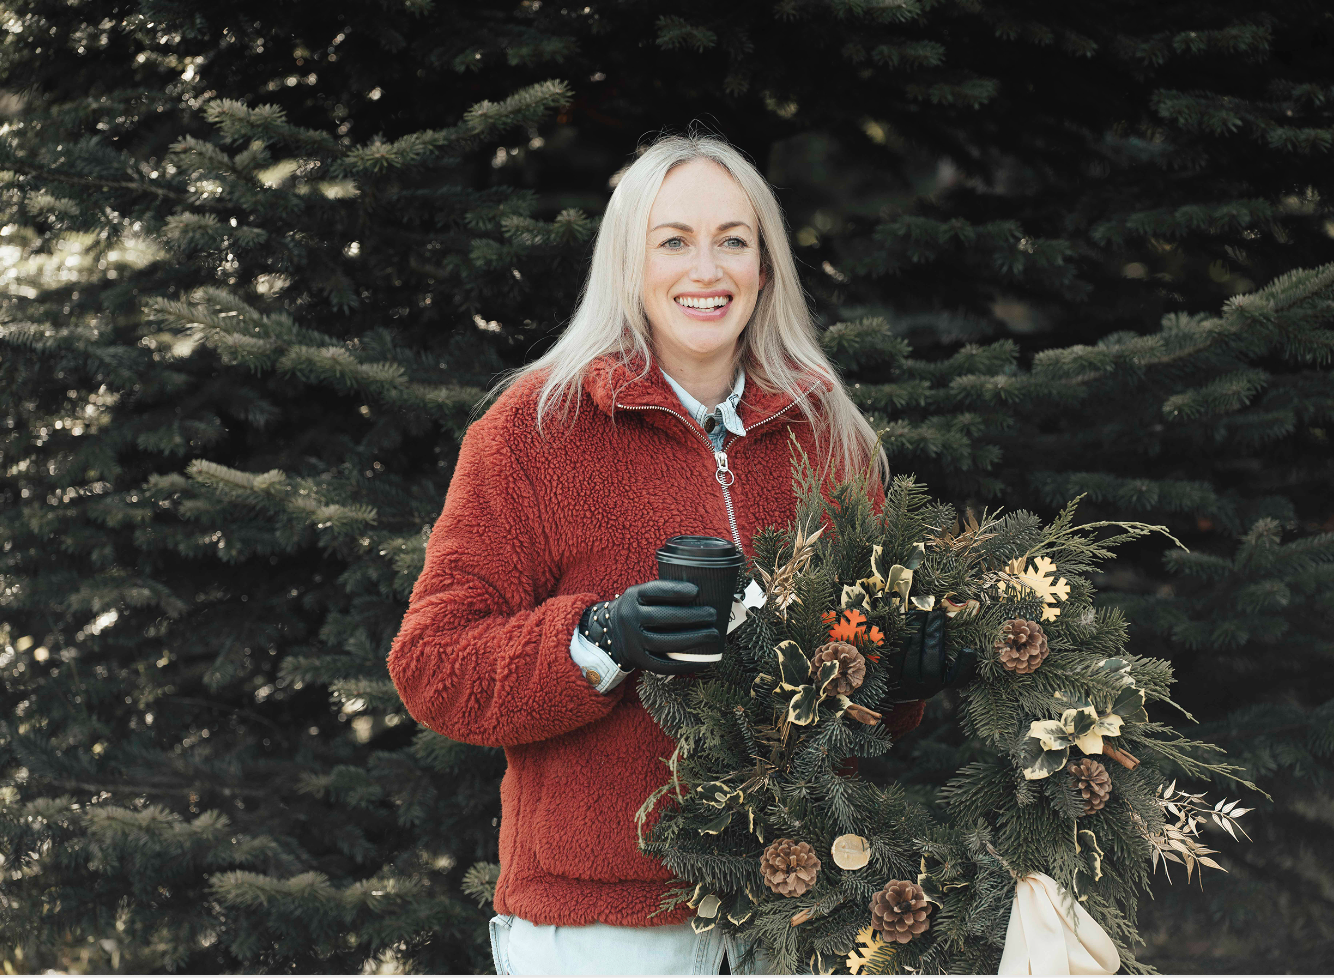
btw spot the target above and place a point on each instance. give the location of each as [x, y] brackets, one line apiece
[713, 302]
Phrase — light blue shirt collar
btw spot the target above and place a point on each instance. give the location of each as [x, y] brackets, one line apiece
[726, 409]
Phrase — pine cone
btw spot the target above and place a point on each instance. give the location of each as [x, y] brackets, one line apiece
[1022, 645]
[789, 867]
[851, 666]
[899, 911]
[1091, 781]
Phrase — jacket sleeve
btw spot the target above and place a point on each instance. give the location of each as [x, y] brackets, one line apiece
[903, 717]
[483, 655]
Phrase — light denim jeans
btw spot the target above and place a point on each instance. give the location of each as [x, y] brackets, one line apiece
[524, 948]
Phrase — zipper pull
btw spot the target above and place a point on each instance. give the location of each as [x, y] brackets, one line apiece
[724, 475]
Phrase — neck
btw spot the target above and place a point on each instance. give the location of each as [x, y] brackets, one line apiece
[708, 381]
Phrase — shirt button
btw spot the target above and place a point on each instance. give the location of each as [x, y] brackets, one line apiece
[710, 423]
[593, 676]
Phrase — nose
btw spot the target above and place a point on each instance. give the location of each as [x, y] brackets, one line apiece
[705, 270]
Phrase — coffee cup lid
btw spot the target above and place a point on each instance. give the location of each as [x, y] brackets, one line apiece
[705, 549]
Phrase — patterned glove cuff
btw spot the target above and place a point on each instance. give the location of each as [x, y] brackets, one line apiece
[595, 625]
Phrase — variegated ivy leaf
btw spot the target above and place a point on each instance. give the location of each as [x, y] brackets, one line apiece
[793, 666]
[918, 554]
[1118, 667]
[854, 596]
[1051, 734]
[1037, 762]
[803, 708]
[718, 795]
[1129, 705]
[742, 908]
[714, 793]
[714, 826]
[1085, 728]
[828, 673]
[1072, 701]
[876, 582]
[1090, 743]
[899, 583]
[1079, 722]
[1086, 845]
[923, 603]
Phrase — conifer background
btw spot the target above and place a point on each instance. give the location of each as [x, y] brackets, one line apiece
[258, 262]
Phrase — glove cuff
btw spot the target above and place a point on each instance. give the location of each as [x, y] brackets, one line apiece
[595, 625]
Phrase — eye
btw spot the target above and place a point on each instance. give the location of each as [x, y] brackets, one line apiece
[673, 244]
[735, 243]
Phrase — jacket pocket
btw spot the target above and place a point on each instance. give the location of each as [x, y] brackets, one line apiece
[581, 823]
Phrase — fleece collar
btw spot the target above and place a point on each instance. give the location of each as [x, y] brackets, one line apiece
[613, 382]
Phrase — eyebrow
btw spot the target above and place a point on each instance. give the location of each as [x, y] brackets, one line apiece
[687, 228]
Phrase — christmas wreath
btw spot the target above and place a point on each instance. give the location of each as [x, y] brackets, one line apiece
[1067, 810]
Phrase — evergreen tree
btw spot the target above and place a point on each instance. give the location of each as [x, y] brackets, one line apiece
[260, 260]
[239, 351]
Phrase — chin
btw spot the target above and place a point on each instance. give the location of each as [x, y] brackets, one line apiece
[706, 346]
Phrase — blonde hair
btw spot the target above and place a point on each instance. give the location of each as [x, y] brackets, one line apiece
[778, 348]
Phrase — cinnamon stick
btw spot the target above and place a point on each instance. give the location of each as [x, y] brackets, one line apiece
[1126, 759]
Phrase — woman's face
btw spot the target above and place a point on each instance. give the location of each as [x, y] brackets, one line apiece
[702, 268]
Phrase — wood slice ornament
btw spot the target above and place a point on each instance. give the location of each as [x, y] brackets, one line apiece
[850, 852]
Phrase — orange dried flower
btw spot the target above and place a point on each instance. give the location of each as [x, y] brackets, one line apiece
[845, 631]
[850, 628]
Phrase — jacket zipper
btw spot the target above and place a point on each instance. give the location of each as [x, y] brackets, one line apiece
[722, 473]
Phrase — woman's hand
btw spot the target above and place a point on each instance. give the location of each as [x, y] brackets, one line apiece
[923, 670]
[644, 622]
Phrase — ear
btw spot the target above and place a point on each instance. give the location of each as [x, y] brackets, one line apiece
[764, 275]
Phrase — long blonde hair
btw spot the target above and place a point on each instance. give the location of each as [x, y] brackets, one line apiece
[777, 348]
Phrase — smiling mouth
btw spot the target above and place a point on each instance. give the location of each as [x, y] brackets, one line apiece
[707, 303]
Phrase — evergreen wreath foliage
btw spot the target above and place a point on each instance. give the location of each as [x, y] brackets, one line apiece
[752, 766]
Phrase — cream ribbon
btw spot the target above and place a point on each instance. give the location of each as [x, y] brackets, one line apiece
[1044, 938]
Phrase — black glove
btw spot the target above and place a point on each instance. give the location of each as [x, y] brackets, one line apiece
[641, 622]
[920, 666]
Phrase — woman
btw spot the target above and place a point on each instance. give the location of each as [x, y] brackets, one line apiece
[665, 408]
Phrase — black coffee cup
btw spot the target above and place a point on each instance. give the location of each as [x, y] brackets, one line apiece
[713, 564]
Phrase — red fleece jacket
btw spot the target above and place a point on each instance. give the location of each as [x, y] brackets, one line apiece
[533, 531]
